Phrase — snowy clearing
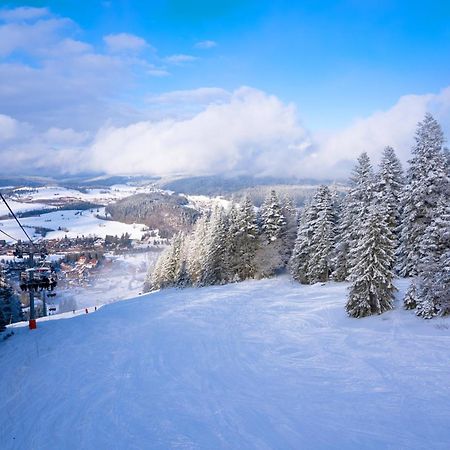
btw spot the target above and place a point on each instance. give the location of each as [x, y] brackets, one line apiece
[257, 365]
[100, 195]
[73, 223]
[20, 207]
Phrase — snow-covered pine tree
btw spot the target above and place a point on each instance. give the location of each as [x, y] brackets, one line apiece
[172, 262]
[232, 250]
[154, 275]
[5, 295]
[442, 280]
[323, 235]
[372, 289]
[215, 268]
[246, 241]
[433, 279]
[10, 310]
[10, 305]
[269, 257]
[389, 187]
[425, 184]
[167, 267]
[3, 322]
[299, 262]
[410, 299]
[289, 232]
[354, 214]
[337, 205]
[271, 218]
[341, 251]
[197, 250]
[181, 277]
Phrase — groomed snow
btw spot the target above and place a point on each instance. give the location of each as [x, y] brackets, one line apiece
[257, 365]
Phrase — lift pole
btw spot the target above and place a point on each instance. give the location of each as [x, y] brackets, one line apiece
[32, 321]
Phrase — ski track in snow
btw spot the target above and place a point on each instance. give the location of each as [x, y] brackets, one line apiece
[256, 365]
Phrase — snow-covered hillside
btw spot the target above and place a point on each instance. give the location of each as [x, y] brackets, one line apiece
[256, 365]
[72, 223]
[48, 194]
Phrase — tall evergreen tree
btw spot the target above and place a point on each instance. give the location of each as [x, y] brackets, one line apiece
[10, 308]
[271, 218]
[172, 262]
[181, 277]
[389, 189]
[166, 272]
[300, 259]
[289, 232]
[246, 241]
[355, 211]
[372, 289]
[232, 248]
[197, 250]
[426, 183]
[434, 287]
[270, 252]
[323, 234]
[215, 266]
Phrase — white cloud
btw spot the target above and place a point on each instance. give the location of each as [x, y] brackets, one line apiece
[396, 126]
[252, 132]
[157, 72]
[26, 150]
[204, 45]
[245, 131]
[123, 42]
[180, 59]
[31, 38]
[204, 95]
[9, 127]
[23, 13]
[64, 137]
[50, 79]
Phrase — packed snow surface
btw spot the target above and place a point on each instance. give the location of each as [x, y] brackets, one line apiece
[256, 365]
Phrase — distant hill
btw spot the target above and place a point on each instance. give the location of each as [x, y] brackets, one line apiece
[158, 210]
[222, 185]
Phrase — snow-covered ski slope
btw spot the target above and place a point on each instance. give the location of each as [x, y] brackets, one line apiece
[256, 365]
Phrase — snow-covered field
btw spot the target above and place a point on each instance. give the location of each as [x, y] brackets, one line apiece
[102, 196]
[257, 365]
[72, 223]
[26, 199]
[20, 207]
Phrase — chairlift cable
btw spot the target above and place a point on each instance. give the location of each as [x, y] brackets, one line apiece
[15, 217]
[6, 234]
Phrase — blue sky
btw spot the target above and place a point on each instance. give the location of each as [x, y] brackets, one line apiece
[336, 62]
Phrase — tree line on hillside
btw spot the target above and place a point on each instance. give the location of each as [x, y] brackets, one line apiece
[10, 308]
[168, 213]
[387, 224]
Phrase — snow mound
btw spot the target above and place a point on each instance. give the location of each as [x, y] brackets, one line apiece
[256, 365]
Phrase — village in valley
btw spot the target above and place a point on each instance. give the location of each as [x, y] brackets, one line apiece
[75, 244]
